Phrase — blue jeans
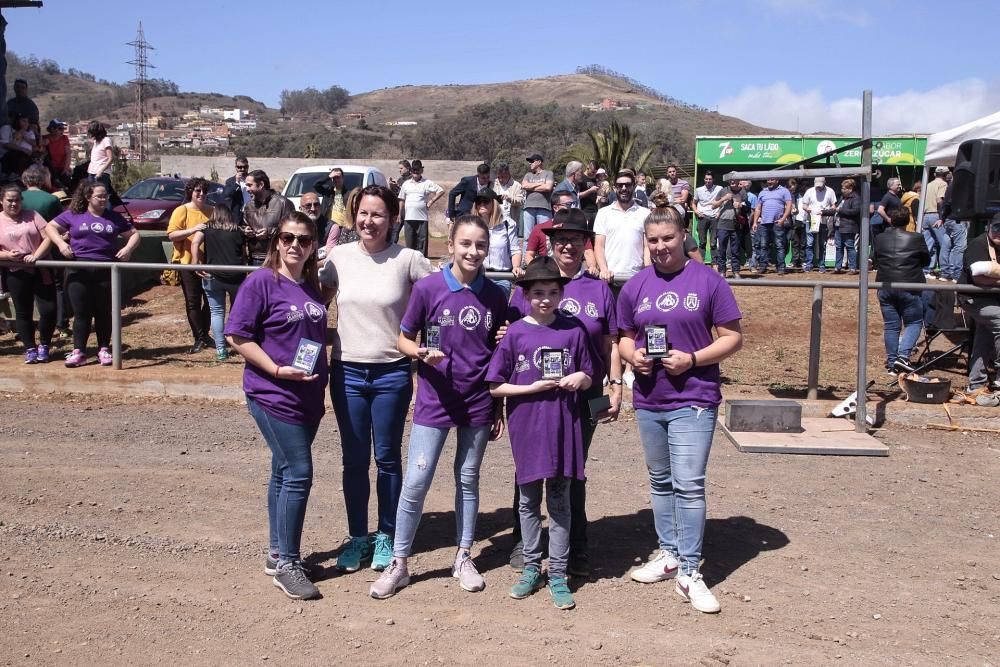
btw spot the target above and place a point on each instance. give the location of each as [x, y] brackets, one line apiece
[291, 480]
[370, 402]
[727, 247]
[936, 239]
[531, 216]
[676, 444]
[816, 248]
[422, 457]
[958, 237]
[846, 242]
[901, 310]
[215, 293]
[768, 235]
[557, 503]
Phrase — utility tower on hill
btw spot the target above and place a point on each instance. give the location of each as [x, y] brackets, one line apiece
[141, 62]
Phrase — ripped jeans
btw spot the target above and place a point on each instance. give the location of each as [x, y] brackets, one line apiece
[426, 444]
[676, 444]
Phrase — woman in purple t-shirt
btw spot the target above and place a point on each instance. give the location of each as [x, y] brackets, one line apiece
[458, 312]
[278, 324]
[674, 305]
[93, 236]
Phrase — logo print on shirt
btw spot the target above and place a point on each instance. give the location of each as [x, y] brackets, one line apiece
[446, 319]
[96, 227]
[591, 310]
[569, 307]
[644, 306]
[84, 226]
[522, 364]
[691, 301]
[469, 317]
[314, 312]
[667, 301]
[294, 314]
[489, 319]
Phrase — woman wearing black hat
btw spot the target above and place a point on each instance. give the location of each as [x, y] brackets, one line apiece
[588, 300]
[505, 251]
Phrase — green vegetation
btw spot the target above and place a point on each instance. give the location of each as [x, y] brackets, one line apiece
[611, 149]
[312, 101]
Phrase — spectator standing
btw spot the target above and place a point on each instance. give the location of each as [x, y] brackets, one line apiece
[310, 205]
[22, 105]
[35, 198]
[570, 184]
[23, 239]
[677, 189]
[416, 196]
[404, 175]
[57, 152]
[588, 189]
[511, 194]
[890, 201]
[235, 192]
[932, 226]
[849, 222]
[463, 195]
[819, 203]
[605, 193]
[902, 256]
[981, 267]
[504, 250]
[224, 244]
[370, 380]
[278, 310]
[707, 209]
[800, 220]
[539, 243]
[748, 237]
[15, 150]
[185, 222]
[101, 154]
[537, 185]
[619, 244]
[93, 233]
[774, 205]
[732, 208]
[334, 193]
[262, 214]
[958, 236]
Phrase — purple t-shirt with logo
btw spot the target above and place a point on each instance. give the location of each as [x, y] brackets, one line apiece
[689, 302]
[772, 203]
[454, 392]
[544, 427]
[92, 237]
[590, 300]
[277, 313]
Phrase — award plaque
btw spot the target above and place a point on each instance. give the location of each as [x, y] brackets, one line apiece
[657, 345]
[552, 364]
[307, 355]
[432, 337]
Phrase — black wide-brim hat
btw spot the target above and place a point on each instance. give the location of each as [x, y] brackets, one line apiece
[542, 269]
[573, 220]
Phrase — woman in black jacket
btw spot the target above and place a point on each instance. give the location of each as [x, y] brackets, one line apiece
[849, 217]
[902, 256]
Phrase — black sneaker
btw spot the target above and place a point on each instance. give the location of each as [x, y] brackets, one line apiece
[901, 366]
[293, 581]
[517, 557]
[312, 571]
[579, 564]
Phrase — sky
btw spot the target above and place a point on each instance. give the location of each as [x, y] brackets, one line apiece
[796, 65]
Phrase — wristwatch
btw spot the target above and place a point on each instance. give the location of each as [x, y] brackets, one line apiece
[612, 381]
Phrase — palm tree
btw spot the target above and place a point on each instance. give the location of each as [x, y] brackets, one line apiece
[611, 149]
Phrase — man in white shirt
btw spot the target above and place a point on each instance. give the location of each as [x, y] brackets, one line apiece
[707, 209]
[620, 244]
[416, 196]
[819, 203]
[511, 194]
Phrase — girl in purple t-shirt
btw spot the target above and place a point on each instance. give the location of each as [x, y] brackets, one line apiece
[93, 235]
[458, 312]
[278, 324]
[542, 362]
[674, 304]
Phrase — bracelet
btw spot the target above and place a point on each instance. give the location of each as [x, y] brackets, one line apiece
[612, 381]
[277, 369]
[694, 360]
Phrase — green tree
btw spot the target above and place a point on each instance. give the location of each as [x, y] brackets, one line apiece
[311, 151]
[611, 148]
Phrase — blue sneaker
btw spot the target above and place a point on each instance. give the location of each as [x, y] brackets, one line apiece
[383, 552]
[357, 550]
[530, 581]
[43, 354]
[562, 598]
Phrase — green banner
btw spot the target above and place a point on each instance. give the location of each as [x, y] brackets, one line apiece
[903, 151]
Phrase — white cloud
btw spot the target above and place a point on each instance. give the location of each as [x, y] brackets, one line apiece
[913, 111]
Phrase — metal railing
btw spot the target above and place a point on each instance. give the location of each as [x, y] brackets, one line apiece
[815, 320]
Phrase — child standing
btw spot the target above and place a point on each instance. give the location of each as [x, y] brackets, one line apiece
[542, 361]
[458, 311]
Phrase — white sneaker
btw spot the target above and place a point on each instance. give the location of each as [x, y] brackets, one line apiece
[661, 567]
[628, 377]
[693, 589]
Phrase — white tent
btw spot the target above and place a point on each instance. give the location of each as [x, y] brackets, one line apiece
[942, 147]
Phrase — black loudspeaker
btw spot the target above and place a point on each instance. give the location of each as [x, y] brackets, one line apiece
[976, 188]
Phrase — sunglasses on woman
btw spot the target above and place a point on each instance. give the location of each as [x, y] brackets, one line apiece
[287, 238]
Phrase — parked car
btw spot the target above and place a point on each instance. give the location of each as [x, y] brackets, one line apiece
[149, 203]
[304, 179]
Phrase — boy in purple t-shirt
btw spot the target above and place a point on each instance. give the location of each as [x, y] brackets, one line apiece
[542, 361]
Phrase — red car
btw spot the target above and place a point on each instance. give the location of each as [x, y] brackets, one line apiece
[149, 203]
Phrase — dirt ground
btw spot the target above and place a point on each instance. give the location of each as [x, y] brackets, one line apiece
[133, 531]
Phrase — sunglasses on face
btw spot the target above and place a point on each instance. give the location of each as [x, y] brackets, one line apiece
[623, 186]
[287, 238]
